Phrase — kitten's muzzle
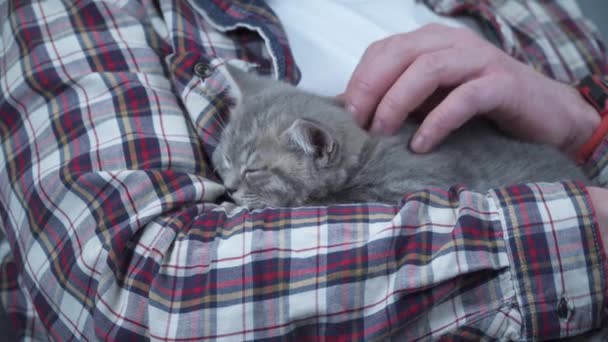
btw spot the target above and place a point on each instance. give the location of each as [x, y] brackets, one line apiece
[230, 192]
[235, 194]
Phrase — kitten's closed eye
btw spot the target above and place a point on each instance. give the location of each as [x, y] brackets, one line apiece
[254, 173]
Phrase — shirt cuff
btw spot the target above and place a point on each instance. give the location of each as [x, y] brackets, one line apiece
[556, 260]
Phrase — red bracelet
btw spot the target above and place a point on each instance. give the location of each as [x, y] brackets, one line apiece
[596, 93]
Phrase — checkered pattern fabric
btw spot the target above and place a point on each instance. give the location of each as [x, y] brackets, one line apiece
[108, 198]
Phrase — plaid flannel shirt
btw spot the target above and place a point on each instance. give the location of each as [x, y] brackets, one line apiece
[107, 195]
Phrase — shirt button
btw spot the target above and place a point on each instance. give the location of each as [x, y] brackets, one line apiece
[202, 70]
[564, 309]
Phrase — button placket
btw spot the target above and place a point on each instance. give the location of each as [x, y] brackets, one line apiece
[203, 70]
[565, 309]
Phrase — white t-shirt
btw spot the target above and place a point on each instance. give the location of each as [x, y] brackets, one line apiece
[328, 37]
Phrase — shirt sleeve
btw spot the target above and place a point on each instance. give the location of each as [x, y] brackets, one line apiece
[554, 37]
[597, 166]
[113, 233]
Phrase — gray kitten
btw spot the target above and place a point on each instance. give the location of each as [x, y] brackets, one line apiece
[286, 147]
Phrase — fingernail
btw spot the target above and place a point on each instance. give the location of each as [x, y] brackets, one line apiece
[420, 143]
[355, 112]
[377, 127]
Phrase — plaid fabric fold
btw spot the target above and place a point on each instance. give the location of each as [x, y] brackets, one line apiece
[108, 202]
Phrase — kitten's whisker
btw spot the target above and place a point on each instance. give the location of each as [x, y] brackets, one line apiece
[267, 203]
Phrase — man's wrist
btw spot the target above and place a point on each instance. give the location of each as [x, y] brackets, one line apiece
[595, 92]
[584, 121]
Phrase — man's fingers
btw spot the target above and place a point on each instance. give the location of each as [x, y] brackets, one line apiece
[443, 68]
[464, 102]
[383, 62]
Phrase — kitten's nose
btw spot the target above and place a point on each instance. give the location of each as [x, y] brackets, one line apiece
[231, 184]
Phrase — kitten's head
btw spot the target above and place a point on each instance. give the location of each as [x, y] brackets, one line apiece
[282, 146]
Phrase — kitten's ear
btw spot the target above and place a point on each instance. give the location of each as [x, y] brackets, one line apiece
[312, 139]
[241, 83]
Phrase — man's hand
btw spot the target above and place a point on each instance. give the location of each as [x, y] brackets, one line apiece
[398, 74]
[599, 199]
